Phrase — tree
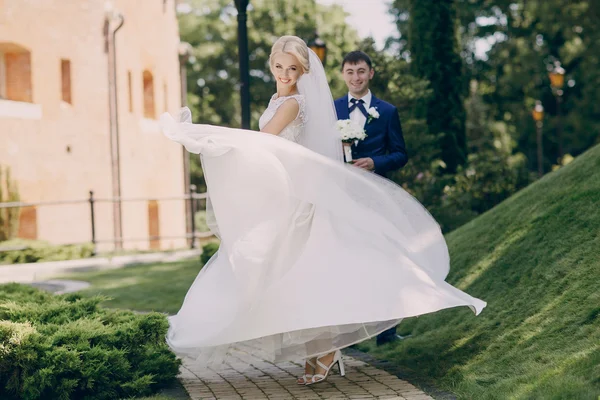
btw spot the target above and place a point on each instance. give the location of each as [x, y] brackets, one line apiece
[434, 56]
[494, 171]
[525, 37]
[394, 82]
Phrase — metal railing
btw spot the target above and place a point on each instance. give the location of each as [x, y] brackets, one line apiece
[192, 199]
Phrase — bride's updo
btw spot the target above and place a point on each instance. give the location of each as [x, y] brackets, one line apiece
[291, 45]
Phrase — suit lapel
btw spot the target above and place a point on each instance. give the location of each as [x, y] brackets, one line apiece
[374, 103]
[343, 108]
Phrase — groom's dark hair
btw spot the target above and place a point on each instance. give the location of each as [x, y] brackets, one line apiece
[354, 57]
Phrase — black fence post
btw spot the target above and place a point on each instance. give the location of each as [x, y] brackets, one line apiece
[93, 219]
[192, 216]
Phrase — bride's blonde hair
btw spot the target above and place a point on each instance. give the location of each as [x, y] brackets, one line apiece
[291, 45]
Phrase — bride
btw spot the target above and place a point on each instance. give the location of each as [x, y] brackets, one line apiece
[315, 255]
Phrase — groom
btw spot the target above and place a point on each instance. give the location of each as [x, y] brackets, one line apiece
[383, 150]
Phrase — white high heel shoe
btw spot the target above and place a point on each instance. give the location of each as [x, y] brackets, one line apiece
[304, 379]
[337, 359]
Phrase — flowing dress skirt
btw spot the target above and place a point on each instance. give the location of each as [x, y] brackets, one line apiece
[315, 255]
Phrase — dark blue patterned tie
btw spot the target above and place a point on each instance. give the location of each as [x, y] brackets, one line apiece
[360, 104]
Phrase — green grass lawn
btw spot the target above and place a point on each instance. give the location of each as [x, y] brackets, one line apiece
[536, 260]
[155, 287]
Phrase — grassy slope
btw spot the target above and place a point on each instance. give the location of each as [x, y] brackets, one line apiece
[535, 259]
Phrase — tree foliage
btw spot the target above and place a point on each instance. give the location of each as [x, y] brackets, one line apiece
[434, 55]
[524, 40]
[493, 172]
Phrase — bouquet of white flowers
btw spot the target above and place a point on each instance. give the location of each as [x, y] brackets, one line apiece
[350, 132]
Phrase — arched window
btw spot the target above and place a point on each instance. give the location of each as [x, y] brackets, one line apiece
[149, 109]
[15, 73]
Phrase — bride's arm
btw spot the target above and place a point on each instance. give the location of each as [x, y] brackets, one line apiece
[285, 114]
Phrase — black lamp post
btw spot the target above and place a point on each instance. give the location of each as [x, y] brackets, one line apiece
[538, 117]
[242, 18]
[319, 47]
[557, 82]
[185, 51]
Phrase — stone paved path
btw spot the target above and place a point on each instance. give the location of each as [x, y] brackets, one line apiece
[250, 377]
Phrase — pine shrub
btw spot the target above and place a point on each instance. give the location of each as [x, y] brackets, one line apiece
[67, 347]
[38, 251]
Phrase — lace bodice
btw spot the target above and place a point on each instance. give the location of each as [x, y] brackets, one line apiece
[296, 127]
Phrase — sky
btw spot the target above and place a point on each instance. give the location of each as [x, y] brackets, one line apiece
[368, 17]
[371, 18]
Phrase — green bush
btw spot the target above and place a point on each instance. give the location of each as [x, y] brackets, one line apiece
[66, 347]
[200, 221]
[37, 250]
[9, 217]
[208, 251]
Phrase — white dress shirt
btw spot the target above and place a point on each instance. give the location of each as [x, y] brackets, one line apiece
[356, 115]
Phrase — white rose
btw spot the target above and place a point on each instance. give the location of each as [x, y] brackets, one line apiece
[372, 111]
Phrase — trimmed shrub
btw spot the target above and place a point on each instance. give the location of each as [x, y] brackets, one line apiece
[37, 250]
[208, 251]
[66, 347]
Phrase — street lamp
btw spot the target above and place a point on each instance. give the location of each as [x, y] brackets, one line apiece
[538, 117]
[242, 18]
[557, 82]
[557, 77]
[319, 47]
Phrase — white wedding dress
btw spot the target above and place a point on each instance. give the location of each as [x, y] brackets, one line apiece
[315, 255]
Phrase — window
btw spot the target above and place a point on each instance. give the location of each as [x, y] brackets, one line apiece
[129, 84]
[149, 111]
[28, 223]
[65, 72]
[153, 224]
[15, 73]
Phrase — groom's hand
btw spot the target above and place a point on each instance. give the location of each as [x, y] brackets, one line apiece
[365, 163]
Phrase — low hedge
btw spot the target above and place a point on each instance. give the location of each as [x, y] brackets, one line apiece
[37, 250]
[67, 347]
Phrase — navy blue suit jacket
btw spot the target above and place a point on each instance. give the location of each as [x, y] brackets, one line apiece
[384, 142]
